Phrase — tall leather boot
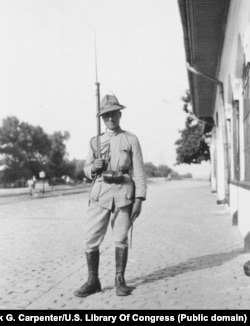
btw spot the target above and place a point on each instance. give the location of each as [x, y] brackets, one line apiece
[93, 284]
[121, 257]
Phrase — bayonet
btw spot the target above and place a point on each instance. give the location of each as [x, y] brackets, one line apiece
[97, 107]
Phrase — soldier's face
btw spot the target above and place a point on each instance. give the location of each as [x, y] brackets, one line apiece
[112, 119]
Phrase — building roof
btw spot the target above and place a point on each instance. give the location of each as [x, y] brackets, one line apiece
[203, 24]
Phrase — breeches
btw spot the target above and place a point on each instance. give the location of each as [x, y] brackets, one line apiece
[98, 219]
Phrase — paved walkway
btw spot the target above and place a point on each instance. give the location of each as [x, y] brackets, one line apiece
[185, 255]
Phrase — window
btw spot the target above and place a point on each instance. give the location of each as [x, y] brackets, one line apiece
[246, 119]
[236, 152]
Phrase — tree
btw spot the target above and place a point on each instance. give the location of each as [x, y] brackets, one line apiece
[164, 170]
[28, 149]
[191, 147]
[9, 141]
[56, 166]
[153, 171]
[79, 174]
[24, 146]
[150, 169]
[36, 145]
[74, 169]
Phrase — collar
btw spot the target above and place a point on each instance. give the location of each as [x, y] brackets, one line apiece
[114, 132]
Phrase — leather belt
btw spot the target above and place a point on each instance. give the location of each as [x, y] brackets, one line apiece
[114, 177]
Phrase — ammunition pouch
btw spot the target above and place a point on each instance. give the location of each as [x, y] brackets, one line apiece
[113, 177]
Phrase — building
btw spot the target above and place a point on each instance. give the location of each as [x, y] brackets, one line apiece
[217, 46]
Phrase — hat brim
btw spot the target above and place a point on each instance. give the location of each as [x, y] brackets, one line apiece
[110, 109]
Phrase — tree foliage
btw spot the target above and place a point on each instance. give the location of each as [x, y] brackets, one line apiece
[57, 165]
[153, 171]
[27, 150]
[24, 147]
[191, 146]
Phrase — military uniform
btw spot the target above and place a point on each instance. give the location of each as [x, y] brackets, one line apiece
[122, 153]
[112, 198]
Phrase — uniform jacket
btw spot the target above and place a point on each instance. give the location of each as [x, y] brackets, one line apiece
[122, 151]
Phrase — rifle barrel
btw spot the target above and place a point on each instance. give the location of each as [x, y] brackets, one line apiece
[97, 106]
[98, 119]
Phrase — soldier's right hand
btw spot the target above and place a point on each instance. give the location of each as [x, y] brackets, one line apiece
[98, 165]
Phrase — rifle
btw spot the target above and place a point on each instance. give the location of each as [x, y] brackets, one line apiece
[97, 108]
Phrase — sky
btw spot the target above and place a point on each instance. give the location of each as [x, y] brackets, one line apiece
[48, 68]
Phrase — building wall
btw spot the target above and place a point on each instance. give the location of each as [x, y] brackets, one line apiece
[235, 51]
[234, 203]
[213, 159]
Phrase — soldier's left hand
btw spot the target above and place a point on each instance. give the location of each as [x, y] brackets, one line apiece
[136, 210]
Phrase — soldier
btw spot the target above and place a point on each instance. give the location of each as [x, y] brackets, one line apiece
[117, 193]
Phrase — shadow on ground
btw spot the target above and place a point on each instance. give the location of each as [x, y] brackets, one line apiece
[191, 265]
